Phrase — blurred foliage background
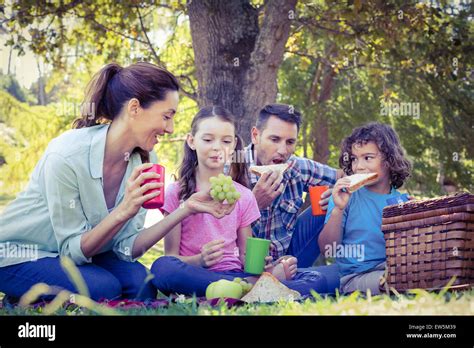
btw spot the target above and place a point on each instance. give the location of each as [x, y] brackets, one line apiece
[344, 63]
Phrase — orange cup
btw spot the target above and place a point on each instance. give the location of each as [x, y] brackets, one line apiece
[315, 193]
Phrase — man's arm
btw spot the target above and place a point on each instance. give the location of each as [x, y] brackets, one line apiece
[317, 174]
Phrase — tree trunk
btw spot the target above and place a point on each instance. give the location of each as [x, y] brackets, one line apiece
[237, 59]
[41, 87]
[323, 82]
[9, 60]
[320, 128]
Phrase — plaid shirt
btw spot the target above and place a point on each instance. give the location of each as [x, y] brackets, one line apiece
[277, 222]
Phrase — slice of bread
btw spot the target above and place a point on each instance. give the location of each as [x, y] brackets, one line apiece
[280, 168]
[359, 180]
[269, 289]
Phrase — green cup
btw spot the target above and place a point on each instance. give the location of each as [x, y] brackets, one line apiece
[255, 252]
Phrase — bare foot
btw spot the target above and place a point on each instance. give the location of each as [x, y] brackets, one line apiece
[284, 269]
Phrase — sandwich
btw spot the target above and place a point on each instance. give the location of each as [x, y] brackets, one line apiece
[359, 180]
[280, 168]
[269, 289]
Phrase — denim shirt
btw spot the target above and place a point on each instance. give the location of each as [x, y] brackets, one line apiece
[64, 199]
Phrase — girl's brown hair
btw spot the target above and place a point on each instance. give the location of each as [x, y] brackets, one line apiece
[388, 143]
[187, 169]
[113, 86]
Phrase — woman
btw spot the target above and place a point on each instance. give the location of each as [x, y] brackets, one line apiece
[85, 194]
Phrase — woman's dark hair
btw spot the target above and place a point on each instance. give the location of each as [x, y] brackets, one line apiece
[388, 143]
[113, 86]
[187, 169]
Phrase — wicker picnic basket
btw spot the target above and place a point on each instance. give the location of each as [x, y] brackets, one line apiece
[430, 241]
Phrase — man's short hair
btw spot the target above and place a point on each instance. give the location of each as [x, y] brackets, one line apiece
[284, 112]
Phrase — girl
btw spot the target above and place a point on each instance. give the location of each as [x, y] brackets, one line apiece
[84, 197]
[202, 249]
[354, 220]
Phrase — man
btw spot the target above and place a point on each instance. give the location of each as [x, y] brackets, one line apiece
[280, 197]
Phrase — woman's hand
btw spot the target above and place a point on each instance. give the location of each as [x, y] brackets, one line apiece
[134, 195]
[340, 197]
[202, 202]
[212, 253]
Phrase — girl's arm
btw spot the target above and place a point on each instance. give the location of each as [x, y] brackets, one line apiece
[332, 231]
[242, 234]
[211, 253]
[172, 242]
[199, 202]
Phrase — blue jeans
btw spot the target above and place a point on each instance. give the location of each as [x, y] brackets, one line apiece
[304, 246]
[175, 276]
[106, 277]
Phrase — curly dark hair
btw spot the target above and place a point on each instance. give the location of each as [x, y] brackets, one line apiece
[388, 143]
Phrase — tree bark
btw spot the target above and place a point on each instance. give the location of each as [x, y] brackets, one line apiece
[41, 86]
[323, 83]
[237, 59]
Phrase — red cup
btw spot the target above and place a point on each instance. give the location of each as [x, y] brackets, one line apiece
[158, 201]
[315, 193]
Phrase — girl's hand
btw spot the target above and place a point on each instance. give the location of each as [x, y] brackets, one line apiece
[134, 195]
[212, 253]
[340, 197]
[268, 264]
[202, 202]
[269, 259]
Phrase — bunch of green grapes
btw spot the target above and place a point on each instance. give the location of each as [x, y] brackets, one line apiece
[246, 286]
[222, 188]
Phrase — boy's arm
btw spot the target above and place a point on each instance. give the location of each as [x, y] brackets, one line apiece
[332, 231]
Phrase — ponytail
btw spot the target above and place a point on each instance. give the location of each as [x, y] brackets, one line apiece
[187, 173]
[238, 169]
[95, 109]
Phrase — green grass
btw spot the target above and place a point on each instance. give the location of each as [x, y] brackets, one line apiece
[418, 303]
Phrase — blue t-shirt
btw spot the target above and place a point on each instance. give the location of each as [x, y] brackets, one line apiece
[363, 244]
